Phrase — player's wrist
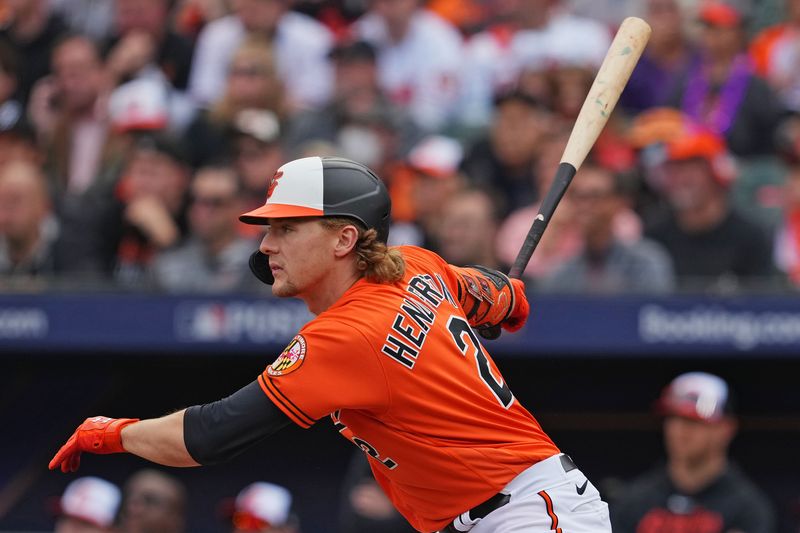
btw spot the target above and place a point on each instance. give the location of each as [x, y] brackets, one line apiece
[103, 435]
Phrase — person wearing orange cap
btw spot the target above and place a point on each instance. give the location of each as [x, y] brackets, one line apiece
[712, 245]
[698, 490]
[774, 52]
[721, 91]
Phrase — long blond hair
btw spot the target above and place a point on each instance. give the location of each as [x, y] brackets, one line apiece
[376, 261]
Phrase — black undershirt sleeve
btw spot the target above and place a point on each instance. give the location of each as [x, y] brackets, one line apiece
[218, 431]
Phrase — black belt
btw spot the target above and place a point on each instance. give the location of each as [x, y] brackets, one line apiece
[498, 500]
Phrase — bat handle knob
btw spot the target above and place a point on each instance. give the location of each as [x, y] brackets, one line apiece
[490, 333]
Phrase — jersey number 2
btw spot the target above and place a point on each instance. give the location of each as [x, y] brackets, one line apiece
[460, 329]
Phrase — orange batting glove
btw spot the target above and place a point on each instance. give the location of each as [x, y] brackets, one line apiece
[519, 315]
[98, 434]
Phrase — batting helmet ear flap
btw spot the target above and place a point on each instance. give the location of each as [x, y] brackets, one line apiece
[259, 266]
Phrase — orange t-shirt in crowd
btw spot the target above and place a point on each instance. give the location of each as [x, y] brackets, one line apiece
[404, 377]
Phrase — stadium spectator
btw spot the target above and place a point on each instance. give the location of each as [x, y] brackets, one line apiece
[257, 152]
[420, 185]
[562, 239]
[32, 31]
[28, 228]
[712, 245]
[69, 112]
[468, 228]
[364, 507]
[252, 83]
[787, 234]
[605, 263]
[152, 501]
[88, 505]
[722, 92]
[148, 212]
[419, 59]
[531, 34]
[264, 508]
[357, 100]
[17, 141]
[776, 54]
[668, 55]
[142, 37]
[698, 489]
[301, 45]
[504, 159]
[214, 258]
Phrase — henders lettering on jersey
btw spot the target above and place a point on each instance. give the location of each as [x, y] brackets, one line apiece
[290, 359]
[412, 323]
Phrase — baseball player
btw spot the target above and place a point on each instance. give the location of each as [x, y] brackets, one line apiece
[392, 357]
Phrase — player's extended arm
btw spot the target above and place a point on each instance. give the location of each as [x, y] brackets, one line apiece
[491, 298]
[199, 435]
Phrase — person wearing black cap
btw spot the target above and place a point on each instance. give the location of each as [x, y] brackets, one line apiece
[359, 104]
[392, 357]
[699, 490]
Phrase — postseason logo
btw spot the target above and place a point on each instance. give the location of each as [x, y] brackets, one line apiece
[290, 359]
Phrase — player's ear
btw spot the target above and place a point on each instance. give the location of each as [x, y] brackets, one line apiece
[347, 240]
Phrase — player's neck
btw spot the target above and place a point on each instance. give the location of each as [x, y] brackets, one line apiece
[328, 291]
[692, 477]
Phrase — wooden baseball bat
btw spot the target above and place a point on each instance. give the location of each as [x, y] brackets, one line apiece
[616, 69]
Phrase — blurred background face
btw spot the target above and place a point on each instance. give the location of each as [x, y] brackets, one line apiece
[468, 228]
[516, 132]
[429, 194]
[23, 201]
[665, 18]
[720, 42]
[595, 201]
[152, 173]
[694, 442]
[252, 80]
[78, 73]
[152, 504]
[260, 15]
[215, 204]
[689, 184]
[257, 162]
[143, 15]
[357, 86]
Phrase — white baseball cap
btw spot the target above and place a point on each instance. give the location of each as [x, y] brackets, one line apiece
[91, 499]
[696, 395]
[261, 505]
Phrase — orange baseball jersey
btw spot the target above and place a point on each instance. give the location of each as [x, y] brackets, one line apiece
[403, 376]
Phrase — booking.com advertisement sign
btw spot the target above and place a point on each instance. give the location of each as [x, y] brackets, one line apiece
[559, 325]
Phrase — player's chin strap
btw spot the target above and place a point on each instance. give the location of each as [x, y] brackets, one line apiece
[259, 266]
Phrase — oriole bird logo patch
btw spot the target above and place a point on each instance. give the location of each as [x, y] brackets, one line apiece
[290, 359]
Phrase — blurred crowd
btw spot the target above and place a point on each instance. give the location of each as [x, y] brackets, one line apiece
[133, 132]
